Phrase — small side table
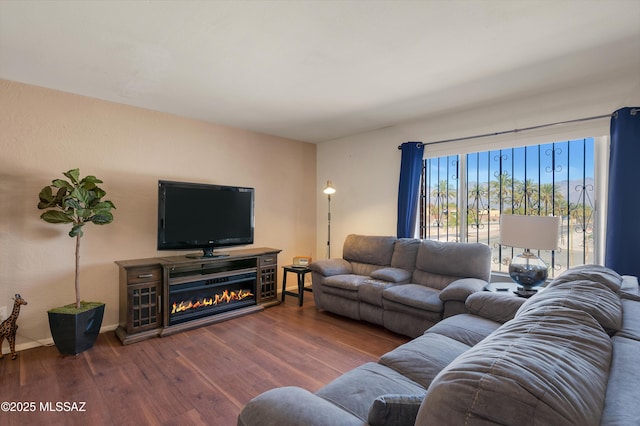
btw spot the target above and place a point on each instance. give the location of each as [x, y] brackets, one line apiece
[300, 271]
[502, 287]
[511, 288]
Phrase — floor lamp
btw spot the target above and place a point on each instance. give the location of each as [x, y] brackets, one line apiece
[329, 189]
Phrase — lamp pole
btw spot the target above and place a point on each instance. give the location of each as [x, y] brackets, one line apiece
[329, 228]
[329, 189]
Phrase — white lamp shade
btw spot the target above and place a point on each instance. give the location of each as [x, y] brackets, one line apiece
[529, 232]
[329, 189]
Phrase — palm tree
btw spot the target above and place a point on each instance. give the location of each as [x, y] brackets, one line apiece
[549, 197]
[477, 208]
[525, 197]
[443, 193]
[582, 216]
[501, 190]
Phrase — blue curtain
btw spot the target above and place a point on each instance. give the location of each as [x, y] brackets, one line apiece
[623, 210]
[410, 169]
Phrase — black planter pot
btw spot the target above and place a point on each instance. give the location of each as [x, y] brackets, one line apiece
[75, 333]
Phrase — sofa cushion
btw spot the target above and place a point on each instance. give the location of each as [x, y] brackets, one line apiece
[293, 406]
[412, 295]
[397, 410]
[370, 291]
[345, 282]
[629, 289]
[424, 357]
[588, 296]
[494, 306]
[344, 285]
[429, 279]
[630, 319]
[601, 274]
[408, 321]
[404, 255]
[368, 249]
[394, 275]
[548, 366]
[465, 328]
[461, 288]
[466, 260]
[356, 390]
[621, 404]
[364, 268]
[328, 267]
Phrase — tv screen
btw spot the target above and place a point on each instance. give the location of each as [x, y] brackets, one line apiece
[202, 216]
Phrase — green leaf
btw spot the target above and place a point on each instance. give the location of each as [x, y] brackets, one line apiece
[61, 183]
[46, 193]
[73, 174]
[72, 203]
[91, 180]
[103, 206]
[84, 213]
[92, 198]
[55, 216]
[81, 194]
[89, 186]
[76, 230]
[46, 198]
[60, 196]
[44, 205]
[101, 218]
[99, 192]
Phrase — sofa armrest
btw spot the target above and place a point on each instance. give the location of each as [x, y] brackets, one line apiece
[289, 406]
[329, 267]
[460, 289]
[392, 275]
[629, 288]
[395, 410]
[496, 307]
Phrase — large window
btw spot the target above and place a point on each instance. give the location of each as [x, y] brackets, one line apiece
[462, 197]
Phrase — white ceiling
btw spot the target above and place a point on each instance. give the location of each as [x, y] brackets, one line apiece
[315, 70]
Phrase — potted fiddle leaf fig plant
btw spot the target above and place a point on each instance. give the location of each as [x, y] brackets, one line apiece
[75, 201]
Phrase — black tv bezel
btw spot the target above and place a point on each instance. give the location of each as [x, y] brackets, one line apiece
[208, 248]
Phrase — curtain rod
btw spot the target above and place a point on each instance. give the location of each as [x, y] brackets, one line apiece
[504, 132]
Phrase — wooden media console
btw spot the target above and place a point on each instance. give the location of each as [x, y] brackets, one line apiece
[164, 295]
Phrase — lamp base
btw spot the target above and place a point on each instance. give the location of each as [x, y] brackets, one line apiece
[528, 270]
[525, 293]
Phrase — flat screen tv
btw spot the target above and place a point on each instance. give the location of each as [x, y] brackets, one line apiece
[202, 216]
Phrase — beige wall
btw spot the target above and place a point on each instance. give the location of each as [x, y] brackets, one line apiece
[44, 133]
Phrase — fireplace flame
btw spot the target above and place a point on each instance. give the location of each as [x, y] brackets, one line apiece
[226, 297]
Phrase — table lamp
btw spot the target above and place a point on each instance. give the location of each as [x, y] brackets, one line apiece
[529, 232]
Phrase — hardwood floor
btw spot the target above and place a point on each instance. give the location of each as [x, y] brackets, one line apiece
[202, 376]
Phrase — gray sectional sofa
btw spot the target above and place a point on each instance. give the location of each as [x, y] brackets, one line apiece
[566, 356]
[405, 285]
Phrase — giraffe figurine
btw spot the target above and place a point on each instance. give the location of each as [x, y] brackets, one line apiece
[9, 327]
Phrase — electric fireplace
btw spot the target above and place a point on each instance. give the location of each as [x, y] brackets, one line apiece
[198, 299]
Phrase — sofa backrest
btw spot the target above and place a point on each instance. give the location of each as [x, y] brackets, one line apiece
[405, 252]
[589, 288]
[592, 297]
[440, 263]
[548, 366]
[367, 253]
[598, 273]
